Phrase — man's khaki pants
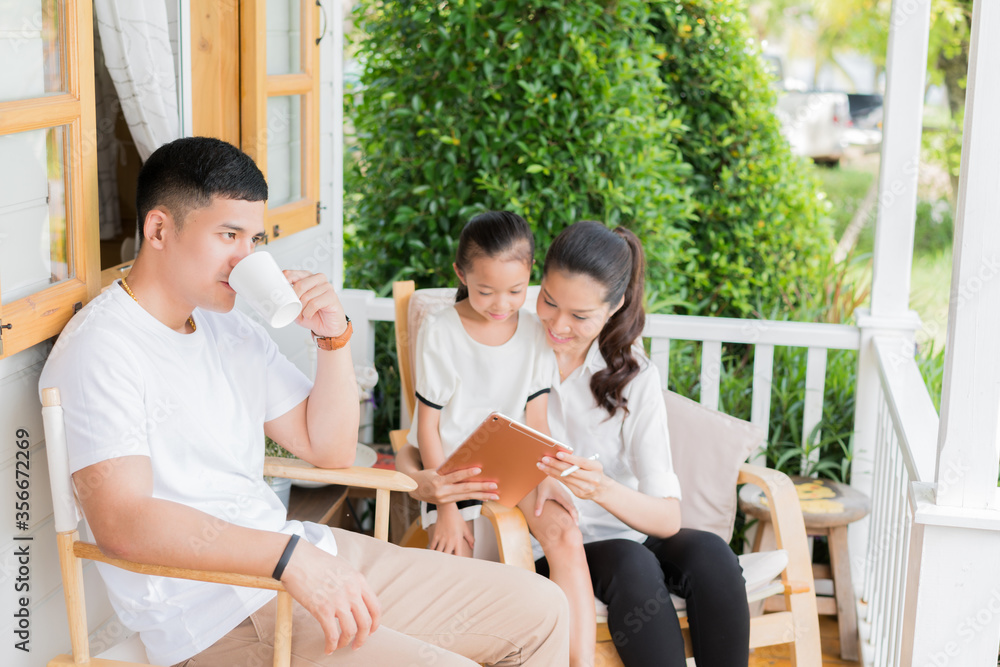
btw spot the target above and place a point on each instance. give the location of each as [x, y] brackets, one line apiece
[436, 610]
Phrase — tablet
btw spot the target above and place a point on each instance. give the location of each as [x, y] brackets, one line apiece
[507, 452]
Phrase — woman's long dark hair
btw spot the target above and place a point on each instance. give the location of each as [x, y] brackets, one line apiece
[493, 234]
[613, 258]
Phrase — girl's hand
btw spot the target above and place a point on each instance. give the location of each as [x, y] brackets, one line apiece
[451, 534]
[322, 311]
[450, 488]
[549, 489]
[587, 483]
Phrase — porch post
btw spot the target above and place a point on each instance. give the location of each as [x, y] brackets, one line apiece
[967, 439]
[893, 257]
[953, 589]
[331, 130]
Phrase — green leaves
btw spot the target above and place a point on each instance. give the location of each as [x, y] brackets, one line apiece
[760, 233]
[553, 110]
[650, 114]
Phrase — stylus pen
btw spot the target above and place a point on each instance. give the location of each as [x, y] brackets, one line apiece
[572, 469]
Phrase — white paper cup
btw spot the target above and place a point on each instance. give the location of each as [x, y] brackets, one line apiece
[258, 279]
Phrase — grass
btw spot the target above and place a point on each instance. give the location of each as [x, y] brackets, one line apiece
[930, 284]
[845, 189]
[930, 280]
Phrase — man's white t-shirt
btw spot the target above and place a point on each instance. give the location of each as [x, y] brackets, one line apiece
[195, 404]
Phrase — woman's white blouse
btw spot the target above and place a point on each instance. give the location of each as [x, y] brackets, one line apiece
[634, 447]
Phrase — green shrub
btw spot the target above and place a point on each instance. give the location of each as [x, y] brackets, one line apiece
[550, 109]
[656, 115]
[760, 229]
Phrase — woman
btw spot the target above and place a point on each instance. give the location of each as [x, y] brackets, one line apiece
[607, 401]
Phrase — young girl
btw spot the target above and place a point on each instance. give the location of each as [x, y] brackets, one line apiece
[483, 355]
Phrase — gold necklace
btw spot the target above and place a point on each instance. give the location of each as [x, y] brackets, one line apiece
[128, 291]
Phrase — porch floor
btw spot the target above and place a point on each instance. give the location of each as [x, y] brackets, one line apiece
[829, 639]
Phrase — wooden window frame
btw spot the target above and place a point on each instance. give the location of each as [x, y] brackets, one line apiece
[256, 86]
[42, 315]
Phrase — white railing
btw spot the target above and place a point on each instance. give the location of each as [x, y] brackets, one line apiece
[711, 332]
[764, 335]
[904, 448]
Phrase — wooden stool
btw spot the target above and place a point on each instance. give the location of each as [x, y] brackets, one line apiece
[827, 508]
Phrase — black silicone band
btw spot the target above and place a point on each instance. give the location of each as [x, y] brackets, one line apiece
[286, 556]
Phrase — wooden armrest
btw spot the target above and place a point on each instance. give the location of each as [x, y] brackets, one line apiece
[68, 661]
[513, 538]
[92, 552]
[366, 478]
[796, 587]
[786, 519]
[397, 439]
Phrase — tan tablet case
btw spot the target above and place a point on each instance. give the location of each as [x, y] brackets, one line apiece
[507, 452]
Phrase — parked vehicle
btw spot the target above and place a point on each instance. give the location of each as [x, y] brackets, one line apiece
[816, 123]
[866, 120]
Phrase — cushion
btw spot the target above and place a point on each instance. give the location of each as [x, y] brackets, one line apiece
[707, 447]
[760, 571]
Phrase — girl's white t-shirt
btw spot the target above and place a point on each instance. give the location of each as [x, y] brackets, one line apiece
[468, 380]
[195, 405]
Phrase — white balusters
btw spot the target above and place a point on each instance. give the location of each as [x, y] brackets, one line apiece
[813, 411]
[760, 408]
[711, 373]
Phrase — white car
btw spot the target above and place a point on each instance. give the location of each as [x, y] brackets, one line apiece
[816, 124]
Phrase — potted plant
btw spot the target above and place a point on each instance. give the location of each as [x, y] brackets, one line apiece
[281, 485]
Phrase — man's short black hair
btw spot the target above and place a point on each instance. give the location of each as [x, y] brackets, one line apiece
[186, 173]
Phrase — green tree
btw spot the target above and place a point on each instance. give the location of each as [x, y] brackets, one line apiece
[553, 110]
[655, 115]
[760, 231]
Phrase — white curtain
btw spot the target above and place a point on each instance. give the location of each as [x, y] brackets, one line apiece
[136, 42]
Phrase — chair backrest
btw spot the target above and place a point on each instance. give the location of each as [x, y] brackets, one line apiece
[67, 518]
[412, 308]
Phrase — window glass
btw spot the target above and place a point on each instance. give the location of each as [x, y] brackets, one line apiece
[284, 149]
[33, 211]
[31, 49]
[284, 36]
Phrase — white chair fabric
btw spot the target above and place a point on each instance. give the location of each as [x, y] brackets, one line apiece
[760, 570]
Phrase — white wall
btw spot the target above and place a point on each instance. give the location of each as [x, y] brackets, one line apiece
[19, 409]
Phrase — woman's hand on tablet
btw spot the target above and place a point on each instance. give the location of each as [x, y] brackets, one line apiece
[587, 482]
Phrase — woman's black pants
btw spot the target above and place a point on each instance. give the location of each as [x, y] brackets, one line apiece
[636, 579]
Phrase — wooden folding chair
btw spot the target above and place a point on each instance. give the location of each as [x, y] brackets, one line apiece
[72, 550]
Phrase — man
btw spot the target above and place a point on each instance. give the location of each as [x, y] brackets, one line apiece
[167, 397]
